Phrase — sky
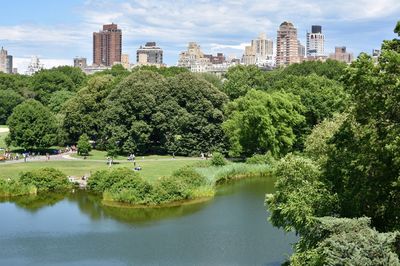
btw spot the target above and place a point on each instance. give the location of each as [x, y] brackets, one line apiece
[59, 30]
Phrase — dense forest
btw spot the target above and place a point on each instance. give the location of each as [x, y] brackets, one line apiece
[334, 130]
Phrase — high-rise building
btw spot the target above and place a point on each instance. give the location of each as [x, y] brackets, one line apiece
[34, 66]
[107, 45]
[260, 52]
[315, 42]
[287, 49]
[80, 62]
[149, 54]
[6, 61]
[342, 55]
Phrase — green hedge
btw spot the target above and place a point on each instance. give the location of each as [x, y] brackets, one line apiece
[46, 180]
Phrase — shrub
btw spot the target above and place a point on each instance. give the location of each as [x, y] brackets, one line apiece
[84, 146]
[132, 189]
[261, 159]
[218, 159]
[13, 187]
[46, 179]
[190, 177]
[100, 181]
[168, 189]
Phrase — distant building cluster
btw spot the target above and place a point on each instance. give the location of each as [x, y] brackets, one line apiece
[108, 51]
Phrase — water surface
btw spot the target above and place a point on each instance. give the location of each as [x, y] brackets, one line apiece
[231, 229]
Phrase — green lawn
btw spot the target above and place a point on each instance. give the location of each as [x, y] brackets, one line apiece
[2, 139]
[151, 169]
[102, 155]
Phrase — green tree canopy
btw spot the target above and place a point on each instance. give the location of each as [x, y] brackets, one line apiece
[240, 79]
[46, 82]
[8, 100]
[84, 146]
[32, 125]
[260, 122]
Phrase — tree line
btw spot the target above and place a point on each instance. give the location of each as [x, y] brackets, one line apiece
[169, 110]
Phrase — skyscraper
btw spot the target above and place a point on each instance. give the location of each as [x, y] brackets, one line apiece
[6, 61]
[107, 45]
[315, 41]
[287, 50]
[80, 62]
[150, 54]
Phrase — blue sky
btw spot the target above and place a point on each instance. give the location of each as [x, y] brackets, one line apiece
[59, 30]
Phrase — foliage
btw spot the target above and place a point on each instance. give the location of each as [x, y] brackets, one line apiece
[8, 100]
[46, 180]
[317, 144]
[261, 159]
[343, 241]
[299, 196]
[13, 187]
[181, 115]
[218, 159]
[241, 79]
[331, 69]
[84, 146]
[82, 113]
[102, 180]
[260, 122]
[32, 125]
[321, 96]
[46, 82]
[57, 100]
[365, 164]
[163, 71]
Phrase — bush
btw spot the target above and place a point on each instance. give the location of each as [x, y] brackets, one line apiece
[190, 177]
[218, 159]
[131, 189]
[13, 187]
[169, 189]
[103, 180]
[84, 146]
[46, 179]
[261, 159]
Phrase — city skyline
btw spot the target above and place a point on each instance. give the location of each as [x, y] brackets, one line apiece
[57, 32]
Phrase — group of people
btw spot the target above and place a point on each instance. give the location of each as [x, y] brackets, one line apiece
[205, 155]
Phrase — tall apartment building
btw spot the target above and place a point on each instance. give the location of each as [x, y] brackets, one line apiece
[301, 50]
[315, 42]
[107, 45]
[34, 66]
[149, 54]
[125, 61]
[287, 48]
[6, 61]
[342, 55]
[260, 52]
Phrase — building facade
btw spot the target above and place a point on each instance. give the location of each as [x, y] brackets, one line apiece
[342, 55]
[196, 61]
[301, 51]
[287, 49]
[6, 62]
[259, 53]
[107, 45]
[80, 62]
[315, 42]
[149, 54]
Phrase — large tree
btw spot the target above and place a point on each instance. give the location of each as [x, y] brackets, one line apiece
[262, 122]
[32, 125]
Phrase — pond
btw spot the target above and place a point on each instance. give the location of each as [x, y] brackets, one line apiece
[231, 229]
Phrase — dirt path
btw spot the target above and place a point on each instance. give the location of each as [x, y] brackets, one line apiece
[4, 130]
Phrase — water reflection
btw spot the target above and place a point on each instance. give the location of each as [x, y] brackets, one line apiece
[34, 203]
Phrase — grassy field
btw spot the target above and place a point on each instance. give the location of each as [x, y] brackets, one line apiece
[150, 169]
[102, 155]
[3, 137]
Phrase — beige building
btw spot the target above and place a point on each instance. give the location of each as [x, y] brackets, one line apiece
[287, 48]
[193, 58]
[342, 55]
[125, 61]
[260, 52]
